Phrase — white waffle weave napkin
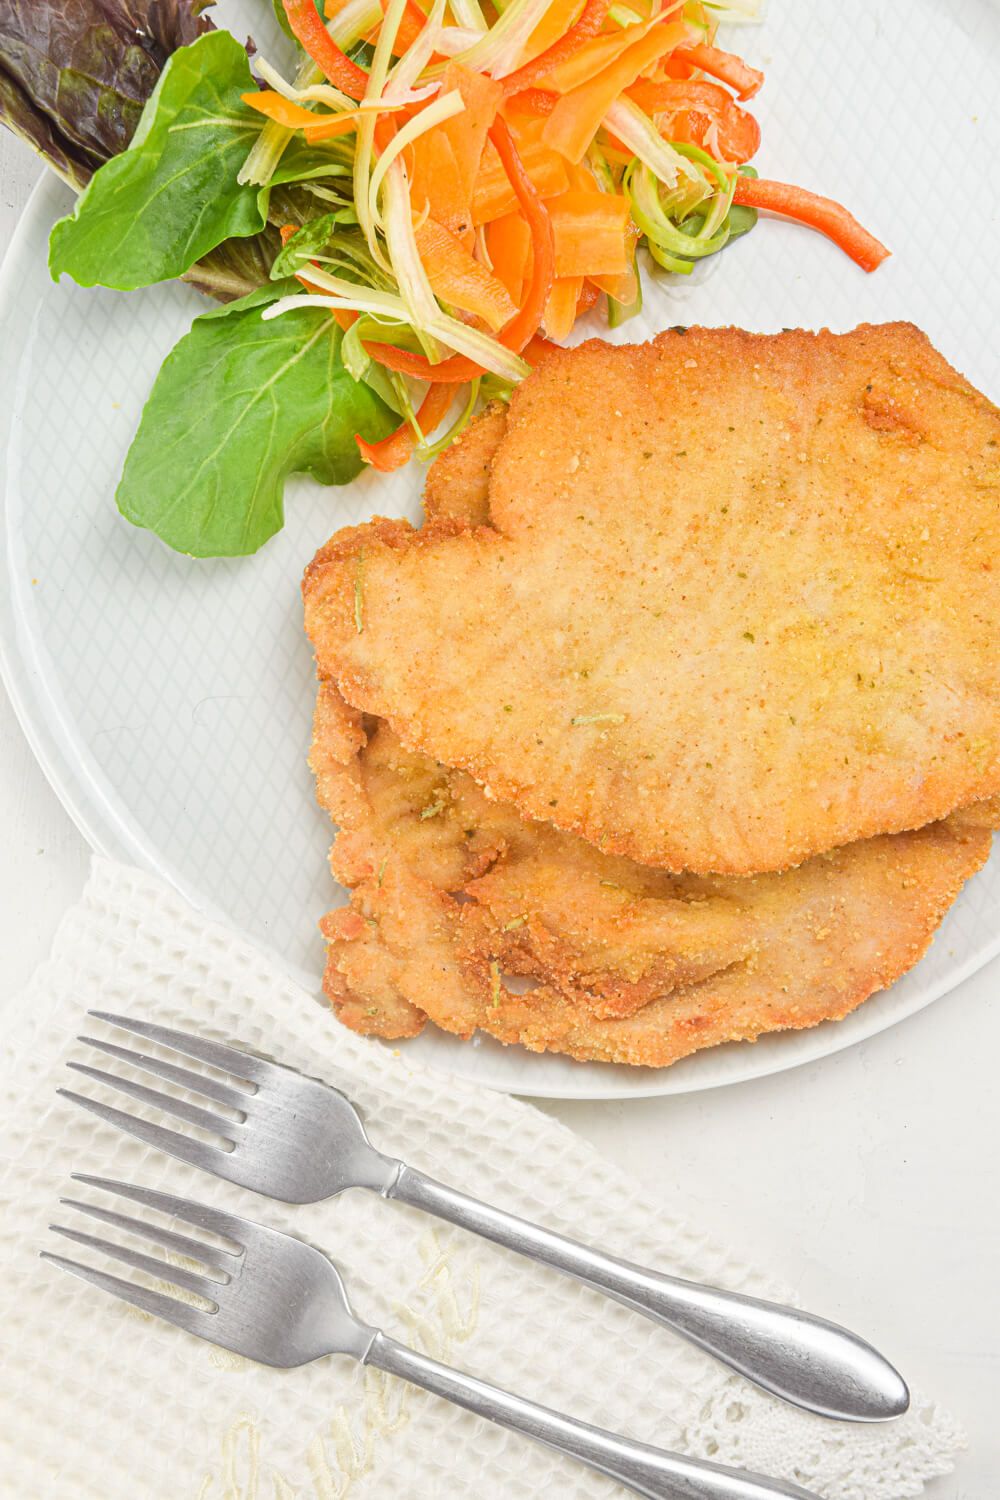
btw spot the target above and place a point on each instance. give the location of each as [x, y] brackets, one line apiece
[98, 1402]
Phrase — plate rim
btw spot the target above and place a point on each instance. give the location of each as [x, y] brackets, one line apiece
[112, 839]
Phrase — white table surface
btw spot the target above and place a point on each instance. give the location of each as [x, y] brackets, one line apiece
[870, 1180]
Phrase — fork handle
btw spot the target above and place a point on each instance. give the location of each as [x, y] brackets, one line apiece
[803, 1359]
[643, 1469]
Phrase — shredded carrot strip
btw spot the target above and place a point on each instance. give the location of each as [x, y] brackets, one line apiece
[495, 194]
[436, 184]
[508, 240]
[333, 125]
[534, 102]
[593, 57]
[829, 217]
[275, 107]
[461, 280]
[594, 15]
[482, 97]
[577, 117]
[559, 16]
[396, 449]
[587, 298]
[313, 38]
[560, 306]
[725, 66]
[588, 230]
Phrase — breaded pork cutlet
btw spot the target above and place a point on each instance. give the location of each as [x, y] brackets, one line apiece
[458, 481]
[452, 893]
[736, 602]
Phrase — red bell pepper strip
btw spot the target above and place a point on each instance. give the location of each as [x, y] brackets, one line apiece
[313, 37]
[591, 21]
[725, 66]
[395, 450]
[693, 108]
[830, 218]
[516, 334]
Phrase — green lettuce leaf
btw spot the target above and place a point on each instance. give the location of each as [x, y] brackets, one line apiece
[172, 196]
[238, 406]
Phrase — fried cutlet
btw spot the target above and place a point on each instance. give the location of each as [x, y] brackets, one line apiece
[735, 603]
[453, 894]
[458, 481]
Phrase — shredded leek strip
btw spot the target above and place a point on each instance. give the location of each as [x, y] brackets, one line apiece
[319, 92]
[695, 153]
[453, 42]
[352, 298]
[325, 194]
[356, 18]
[430, 323]
[427, 451]
[631, 125]
[477, 346]
[648, 213]
[414, 288]
[384, 303]
[468, 15]
[404, 75]
[444, 108]
[482, 348]
[598, 164]
[721, 204]
[669, 262]
[364, 146]
[499, 50]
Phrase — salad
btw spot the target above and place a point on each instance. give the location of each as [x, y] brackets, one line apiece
[399, 226]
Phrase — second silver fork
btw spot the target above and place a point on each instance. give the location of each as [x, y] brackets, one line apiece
[281, 1302]
[301, 1141]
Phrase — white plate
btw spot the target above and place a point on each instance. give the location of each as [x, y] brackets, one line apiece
[169, 701]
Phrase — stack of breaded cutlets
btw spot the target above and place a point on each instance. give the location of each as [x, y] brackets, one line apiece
[678, 720]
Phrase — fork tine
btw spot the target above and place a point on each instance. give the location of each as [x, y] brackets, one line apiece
[202, 1286]
[217, 1124]
[186, 1148]
[180, 1244]
[183, 1077]
[192, 1319]
[215, 1054]
[215, 1220]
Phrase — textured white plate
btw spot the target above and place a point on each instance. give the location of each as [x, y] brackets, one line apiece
[169, 701]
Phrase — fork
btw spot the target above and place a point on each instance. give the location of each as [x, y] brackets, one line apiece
[301, 1141]
[281, 1302]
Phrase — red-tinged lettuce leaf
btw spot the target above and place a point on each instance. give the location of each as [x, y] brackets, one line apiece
[26, 120]
[87, 67]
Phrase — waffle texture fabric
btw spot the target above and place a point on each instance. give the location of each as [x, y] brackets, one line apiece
[100, 1402]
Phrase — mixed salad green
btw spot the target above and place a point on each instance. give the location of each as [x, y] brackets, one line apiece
[436, 191]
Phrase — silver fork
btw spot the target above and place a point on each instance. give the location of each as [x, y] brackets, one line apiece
[301, 1141]
[277, 1300]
